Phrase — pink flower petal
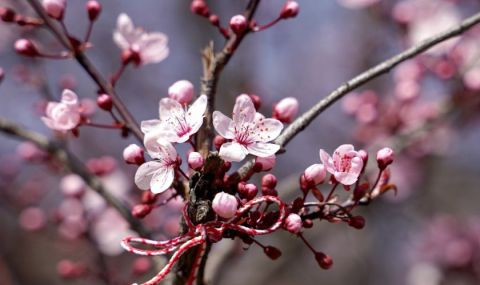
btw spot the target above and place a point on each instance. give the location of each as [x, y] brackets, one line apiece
[195, 113]
[267, 130]
[346, 178]
[223, 125]
[244, 110]
[327, 161]
[263, 149]
[162, 180]
[169, 108]
[69, 98]
[232, 151]
[124, 29]
[145, 173]
[153, 47]
[149, 125]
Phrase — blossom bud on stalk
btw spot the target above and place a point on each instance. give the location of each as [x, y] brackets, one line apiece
[285, 110]
[267, 163]
[290, 10]
[238, 24]
[269, 181]
[272, 252]
[315, 173]
[26, 47]
[199, 7]
[181, 91]
[133, 154]
[7, 14]
[141, 211]
[293, 223]
[225, 205]
[195, 160]
[105, 102]
[357, 222]
[323, 260]
[384, 157]
[55, 8]
[93, 8]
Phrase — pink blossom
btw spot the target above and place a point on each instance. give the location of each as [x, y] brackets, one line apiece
[195, 160]
[158, 174]
[181, 91]
[73, 185]
[267, 163]
[286, 110]
[346, 164]
[149, 47]
[64, 115]
[32, 219]
[133, 154]
[293, 223]
[249, 131]
[225, 205]
[385, 157]
[315, 173]
[176, 124]
[54, 8]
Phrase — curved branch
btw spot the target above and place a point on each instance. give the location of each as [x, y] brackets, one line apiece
[384, 67]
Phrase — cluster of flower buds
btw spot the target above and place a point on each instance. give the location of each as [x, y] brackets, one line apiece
[8, 15]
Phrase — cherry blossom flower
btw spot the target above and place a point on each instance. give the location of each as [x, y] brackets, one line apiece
[158, 174]
[249, 131]
[176, 124]
[346, 164]
[149, 47]
[64, 115]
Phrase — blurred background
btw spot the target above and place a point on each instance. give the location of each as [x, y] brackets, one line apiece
[429, 233]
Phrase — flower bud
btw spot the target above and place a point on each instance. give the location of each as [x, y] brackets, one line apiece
[214, 20]
[195, 160]
[293, 223]
[384, 157]
[269, 181]
[7, 15]
[357, 222]
[181, 91]
[218, 141]
[364, 155]
[55, 8]
[225, 205]
[141, 211]
[315, 173]
[323, 260]
[257, 102]
[141, 265]
[285, 110]
[250, 191]
[199, 7]
[238, 24]
[93, 8]
[26, 47]
[105, 102]
[290, 10]
[267, 163]
[272, 252]
[148, 197]
[133, 154]
[269, 192]
[2, 74]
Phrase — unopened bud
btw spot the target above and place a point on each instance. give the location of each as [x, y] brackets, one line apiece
[315, 173]
[272, 252]
[323, 260]
[105, 102]
[293, 223]
[257, 102]
[238, 24]
[93, 8]
[26, 47]
[7, 14]
[55, 8]
[225, 205]
[141, 211]
[133, 154]
[195, 160]
[199, 7]
[218, 141]
[269, 181]
[285, 110]
[214, 20]
[290, 10]
[269, 192]
[384, 157]
[357, 222]
[141, 265]
[250, 191]
[364, 155]
[267, 163]
[181, 91]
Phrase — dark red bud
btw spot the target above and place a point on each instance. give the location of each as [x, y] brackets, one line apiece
[141, 211]
[272, 252]
[105, 102]
[269, 181]
[357, 222]
[7, 14]
[269, 192]
[200, 8]
[214, 20]
[307, 223]
[93, 8]
[148, 197]
[323, 260]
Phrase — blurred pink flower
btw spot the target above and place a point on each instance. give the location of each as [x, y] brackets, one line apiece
[356, 4]
[250, 132]
[346, 164]
[64, 115]
[149, 47]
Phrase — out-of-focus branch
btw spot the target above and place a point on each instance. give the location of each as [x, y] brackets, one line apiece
[87, 65]
[213, 66]
[384, 67]
[73, 164]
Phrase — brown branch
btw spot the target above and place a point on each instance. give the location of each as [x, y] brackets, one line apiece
[87, 65]
[384, 67]
[75, 165]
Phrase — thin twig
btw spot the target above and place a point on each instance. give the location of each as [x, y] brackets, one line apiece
[87, 65]
[73, 164]
[384, 67]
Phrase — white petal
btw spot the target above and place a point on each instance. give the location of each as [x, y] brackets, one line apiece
[342, 150]
[153, 47]
[69, 98]
[124, 29]
[327, 161]
[244, 110]
[162, 180]
[223, 125]
[263, 149]
[149, 126]
[194, 115]
[167, 150]
[145, 172]
[232, 151]
[162, 131]
[267, 130]
[169, 108]
[346, 178]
